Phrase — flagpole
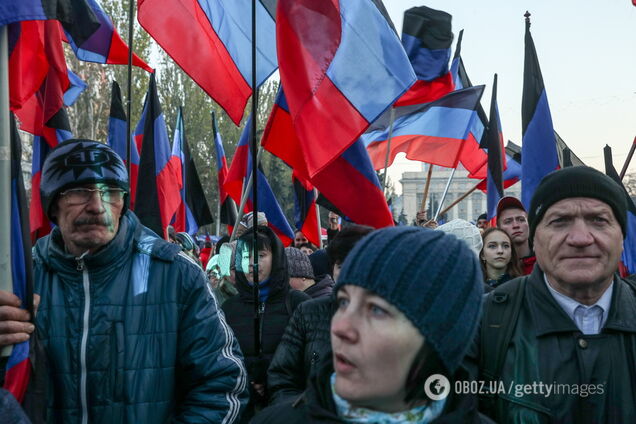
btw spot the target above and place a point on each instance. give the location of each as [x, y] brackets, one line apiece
[388, 147]
[131, 12]
[426, 187]
[459, 199]
[318, 219]
[441, 202]
[257, 309]
[629, 159]
[6, 282]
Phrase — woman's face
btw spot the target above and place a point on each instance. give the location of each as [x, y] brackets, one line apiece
[264, 266]
[374, 346]
[497, 250]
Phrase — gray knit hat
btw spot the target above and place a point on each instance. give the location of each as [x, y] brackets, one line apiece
[432, 277]
[298, 263]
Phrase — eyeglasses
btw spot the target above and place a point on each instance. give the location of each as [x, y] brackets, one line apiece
[80, 196]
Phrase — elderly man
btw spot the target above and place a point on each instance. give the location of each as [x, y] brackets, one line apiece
[513, 219]
[560, 344]
[128, 326]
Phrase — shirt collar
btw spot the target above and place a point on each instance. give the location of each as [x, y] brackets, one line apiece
[569, 305]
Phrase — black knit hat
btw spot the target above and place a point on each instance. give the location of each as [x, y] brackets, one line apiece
[432, 277]
[76, 162]
[576, 181]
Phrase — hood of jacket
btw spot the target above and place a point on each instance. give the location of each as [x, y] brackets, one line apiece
[279, 276]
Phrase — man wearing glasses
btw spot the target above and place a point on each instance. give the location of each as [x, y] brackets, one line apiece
[130, 331]
[513, 219]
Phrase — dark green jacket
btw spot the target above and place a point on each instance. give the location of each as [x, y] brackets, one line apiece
[547, 347]
[133, 335]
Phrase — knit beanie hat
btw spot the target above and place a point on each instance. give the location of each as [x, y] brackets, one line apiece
[432, 277]
[298, 263]
[76, 162]
[577, 181]
[466, 231]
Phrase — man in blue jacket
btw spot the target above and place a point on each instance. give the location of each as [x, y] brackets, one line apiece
[130, 330]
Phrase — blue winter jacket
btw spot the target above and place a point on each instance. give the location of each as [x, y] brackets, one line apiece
[133, 335]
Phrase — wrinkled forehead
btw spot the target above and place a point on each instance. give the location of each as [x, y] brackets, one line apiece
[579, 206]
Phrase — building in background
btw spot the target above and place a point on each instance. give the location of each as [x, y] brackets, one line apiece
[469, 208]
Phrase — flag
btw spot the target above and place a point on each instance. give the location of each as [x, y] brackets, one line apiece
[117, 139]
[628, 257]
[496, 157]
[75, 16]
[138, 132]
[443, 132]
[461, 80]
[18, 369]
[267, 203]
[539, 154]
[57, 130]
[104, 45]
[193, 211]
[159, 171]
[305, 216]
[427, 37]
[48, 99]
[328, 69]
[212, 42]
[349, 184]
[228, 207]
[76, 87]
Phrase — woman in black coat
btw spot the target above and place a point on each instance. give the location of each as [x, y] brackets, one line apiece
[276, 305]
[398, 335]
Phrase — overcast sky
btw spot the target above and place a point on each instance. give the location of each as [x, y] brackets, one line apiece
[587, 53]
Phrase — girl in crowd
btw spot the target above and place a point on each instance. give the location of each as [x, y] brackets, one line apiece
[499, 261]
[407, 306]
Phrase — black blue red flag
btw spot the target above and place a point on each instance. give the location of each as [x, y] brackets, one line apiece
[628, 257]
[18, 368]
[211, 41]
[117, 138]
[228, 207]
[539, 151]
[348, 183]
[105, 44]
[444, 132]
[159, 170]
[496, 157]
[328, 69]
[427, 37]
[193, 211]
[305, 215]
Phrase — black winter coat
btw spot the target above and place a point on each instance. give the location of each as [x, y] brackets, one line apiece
[322, 288]
[316, 405]
[275, 314]
[305, 344]
[547, 347]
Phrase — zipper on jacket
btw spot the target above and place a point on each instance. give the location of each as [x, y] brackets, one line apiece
[87, 303]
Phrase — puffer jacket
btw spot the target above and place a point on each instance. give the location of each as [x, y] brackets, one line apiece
[305, 344]
[275, 313]
[133, 335]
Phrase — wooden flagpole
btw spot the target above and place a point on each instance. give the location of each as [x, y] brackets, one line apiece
[426, 187]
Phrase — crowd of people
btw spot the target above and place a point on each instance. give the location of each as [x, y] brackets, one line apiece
[392, 325]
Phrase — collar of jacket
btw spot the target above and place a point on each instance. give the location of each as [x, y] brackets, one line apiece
[319, 402]
[131, 236]
[549, 317]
